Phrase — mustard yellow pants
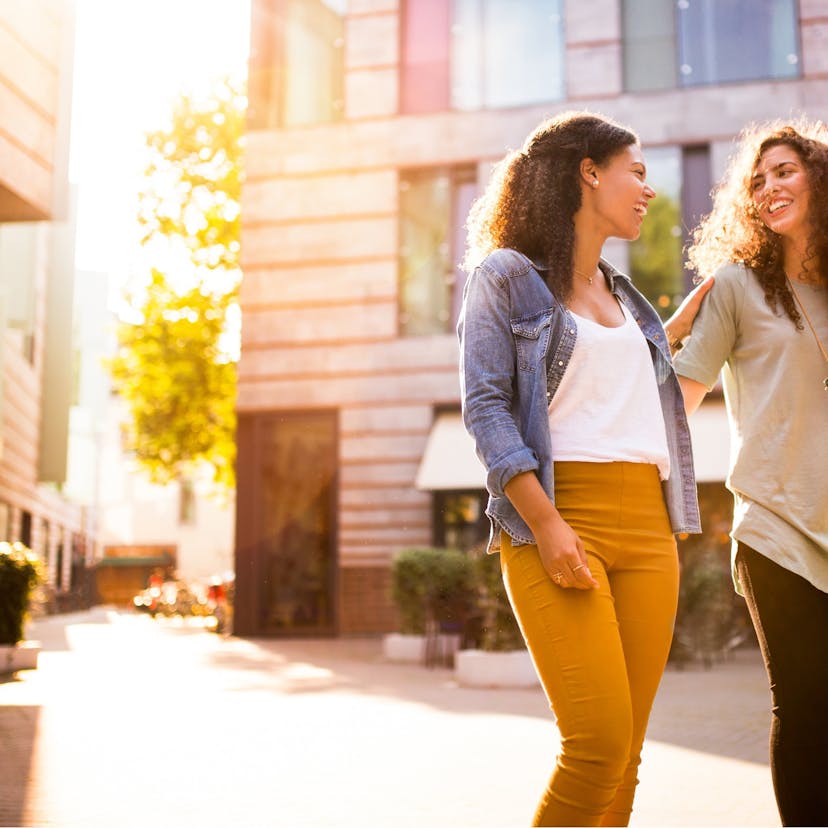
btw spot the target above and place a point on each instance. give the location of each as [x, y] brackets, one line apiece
[599, 654]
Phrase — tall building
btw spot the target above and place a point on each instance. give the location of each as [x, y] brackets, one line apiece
[373, 124]
[36, 284]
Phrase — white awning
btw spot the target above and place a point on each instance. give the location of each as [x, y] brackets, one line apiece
[449, 460]
[450, 463]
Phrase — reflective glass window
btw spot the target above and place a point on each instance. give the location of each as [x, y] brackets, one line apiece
[424, 71]
[477, 54]
[736, 40]
[433, 209]
[682, 43]
[649, 45]
[297, 73]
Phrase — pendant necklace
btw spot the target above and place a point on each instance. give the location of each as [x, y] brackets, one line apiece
[813, 329]
[584, 275]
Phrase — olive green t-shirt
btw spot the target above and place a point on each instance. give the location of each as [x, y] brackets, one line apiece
[773, 378]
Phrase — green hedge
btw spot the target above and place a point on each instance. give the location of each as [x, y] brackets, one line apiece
[455, 589]
[432, 584]
[20, 573]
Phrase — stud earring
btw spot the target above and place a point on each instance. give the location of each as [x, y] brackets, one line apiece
[594, 182]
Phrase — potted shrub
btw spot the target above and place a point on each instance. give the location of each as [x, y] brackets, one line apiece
[20, 573]
[501, 658]
[433, 591]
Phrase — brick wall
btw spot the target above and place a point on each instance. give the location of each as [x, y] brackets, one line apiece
[365, 600]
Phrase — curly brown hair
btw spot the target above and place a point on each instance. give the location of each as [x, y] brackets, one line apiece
[733, 230]
[534, 193]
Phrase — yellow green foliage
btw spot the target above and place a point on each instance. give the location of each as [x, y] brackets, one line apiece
[175, 365]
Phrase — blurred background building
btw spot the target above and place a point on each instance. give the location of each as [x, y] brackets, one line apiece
[373, 124]
[67, 488]
[37, 231]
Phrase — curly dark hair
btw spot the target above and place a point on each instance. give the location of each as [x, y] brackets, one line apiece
[733, 230]
[534, 193]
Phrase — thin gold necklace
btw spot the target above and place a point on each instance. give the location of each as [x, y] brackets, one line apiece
[813, 329]
[583, 275]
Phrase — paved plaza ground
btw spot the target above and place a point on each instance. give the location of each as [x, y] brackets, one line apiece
[129, 721]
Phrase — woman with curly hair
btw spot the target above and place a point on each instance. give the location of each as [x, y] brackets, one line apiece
[570, 396]
[766, 323]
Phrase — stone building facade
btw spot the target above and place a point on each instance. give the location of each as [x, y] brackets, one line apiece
[36, 278]
[372, 126]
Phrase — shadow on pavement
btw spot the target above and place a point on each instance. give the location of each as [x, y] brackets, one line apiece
[723, 710]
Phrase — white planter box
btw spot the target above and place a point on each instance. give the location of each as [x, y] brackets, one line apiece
[476, 668]
[398, 647]
[21, 656]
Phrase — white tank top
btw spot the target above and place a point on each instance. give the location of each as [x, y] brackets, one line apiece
[607, 406]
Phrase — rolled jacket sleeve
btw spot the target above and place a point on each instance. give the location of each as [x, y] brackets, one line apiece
[488, 363]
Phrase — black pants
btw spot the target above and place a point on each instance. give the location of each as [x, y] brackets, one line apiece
[791, 620]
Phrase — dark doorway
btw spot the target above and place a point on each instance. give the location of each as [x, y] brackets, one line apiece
[26, 529]
[286, 524]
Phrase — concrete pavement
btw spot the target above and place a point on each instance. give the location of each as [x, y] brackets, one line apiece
[131, 722]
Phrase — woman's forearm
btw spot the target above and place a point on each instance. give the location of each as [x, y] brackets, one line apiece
[531, 501]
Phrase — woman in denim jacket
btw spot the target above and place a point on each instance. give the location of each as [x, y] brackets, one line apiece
[569, 393]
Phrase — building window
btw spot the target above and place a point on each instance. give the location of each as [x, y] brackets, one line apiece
[462, 54]
[20, 244]
[694, 42]
[460, 520]
[681, 177]
[434, 204]
[297, 70]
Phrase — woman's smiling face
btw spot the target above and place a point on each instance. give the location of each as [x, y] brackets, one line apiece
[622, 194]
[781, 192]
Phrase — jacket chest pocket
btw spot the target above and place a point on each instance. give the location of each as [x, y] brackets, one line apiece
[531, 337]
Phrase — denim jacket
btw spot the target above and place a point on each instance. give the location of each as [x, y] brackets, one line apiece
[516, 340]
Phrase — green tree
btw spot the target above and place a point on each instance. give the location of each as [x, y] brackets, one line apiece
[655, 258]
[175, 365]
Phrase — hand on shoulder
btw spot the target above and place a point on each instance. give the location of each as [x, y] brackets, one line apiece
[679, 325]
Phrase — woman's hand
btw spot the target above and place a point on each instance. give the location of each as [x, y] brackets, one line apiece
[679, 325]
[561, 551]
[562, 554]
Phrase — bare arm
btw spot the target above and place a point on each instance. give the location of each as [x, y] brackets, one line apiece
[693, 393]
[559, 546]
[679, 325]
[678, 328]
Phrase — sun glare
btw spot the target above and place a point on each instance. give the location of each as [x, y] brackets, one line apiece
[132, 61]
